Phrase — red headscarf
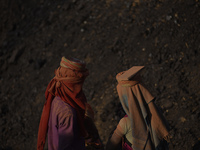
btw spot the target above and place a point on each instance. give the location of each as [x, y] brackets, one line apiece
[67, 84]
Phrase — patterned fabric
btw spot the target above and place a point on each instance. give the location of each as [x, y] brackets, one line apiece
[145, 118]
[67, 84]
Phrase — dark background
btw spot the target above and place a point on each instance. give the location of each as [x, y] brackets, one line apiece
[110, 36]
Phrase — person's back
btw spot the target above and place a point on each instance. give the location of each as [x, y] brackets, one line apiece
[66, 114]
[124, 131]
[149, 129]
[62, 128]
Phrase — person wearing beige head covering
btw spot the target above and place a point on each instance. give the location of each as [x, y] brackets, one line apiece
[143, 126]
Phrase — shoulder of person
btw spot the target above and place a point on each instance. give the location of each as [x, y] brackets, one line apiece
[62, 108]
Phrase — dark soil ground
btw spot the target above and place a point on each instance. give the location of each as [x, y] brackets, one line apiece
[111, 36]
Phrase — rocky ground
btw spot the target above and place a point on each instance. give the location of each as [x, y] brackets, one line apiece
[111, 36]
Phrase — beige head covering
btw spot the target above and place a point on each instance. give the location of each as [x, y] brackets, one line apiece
[148, 124]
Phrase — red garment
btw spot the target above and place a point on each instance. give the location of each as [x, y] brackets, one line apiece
[126, 147]
[67, 84]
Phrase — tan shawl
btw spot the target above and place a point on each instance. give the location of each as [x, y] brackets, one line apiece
[148, 125]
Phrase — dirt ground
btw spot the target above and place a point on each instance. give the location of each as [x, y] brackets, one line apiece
[110, 36]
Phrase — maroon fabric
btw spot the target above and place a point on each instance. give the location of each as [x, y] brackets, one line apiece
[126, 147]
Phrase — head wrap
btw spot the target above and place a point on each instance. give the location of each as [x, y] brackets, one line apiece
[67, 84]
[148, 125]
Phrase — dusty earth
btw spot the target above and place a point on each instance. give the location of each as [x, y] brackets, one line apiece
[111, 36]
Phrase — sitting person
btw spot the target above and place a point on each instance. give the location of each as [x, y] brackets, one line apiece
[143, 127]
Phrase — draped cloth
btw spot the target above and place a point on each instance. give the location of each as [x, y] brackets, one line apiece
[67, 84]
[148, 125]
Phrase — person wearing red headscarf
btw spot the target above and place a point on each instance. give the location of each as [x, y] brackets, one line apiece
[66, 115]
[143, 127]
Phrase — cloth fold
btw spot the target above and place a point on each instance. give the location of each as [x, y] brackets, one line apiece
[67, 84]
[149, 127]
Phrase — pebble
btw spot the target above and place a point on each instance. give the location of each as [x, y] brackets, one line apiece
[182, 119]
[168, 18]
[168, 104]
